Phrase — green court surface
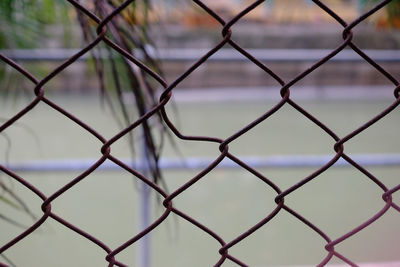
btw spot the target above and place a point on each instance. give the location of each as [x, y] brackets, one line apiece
[106, 204]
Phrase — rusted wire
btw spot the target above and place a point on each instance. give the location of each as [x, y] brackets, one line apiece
[223, 144]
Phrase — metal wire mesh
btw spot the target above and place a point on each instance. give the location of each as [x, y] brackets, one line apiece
[223, 144]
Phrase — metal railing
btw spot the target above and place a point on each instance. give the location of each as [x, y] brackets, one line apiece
[223, 55]
[192, 163]
[221, 145]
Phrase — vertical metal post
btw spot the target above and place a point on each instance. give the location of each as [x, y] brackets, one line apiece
[143, 252]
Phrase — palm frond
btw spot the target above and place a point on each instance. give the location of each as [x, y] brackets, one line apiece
[119, 77]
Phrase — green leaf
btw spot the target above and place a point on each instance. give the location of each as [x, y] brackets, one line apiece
[10, 203]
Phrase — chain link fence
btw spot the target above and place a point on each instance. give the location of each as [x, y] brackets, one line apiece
[222, 144]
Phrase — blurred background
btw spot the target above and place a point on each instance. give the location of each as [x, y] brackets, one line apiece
[219, 98]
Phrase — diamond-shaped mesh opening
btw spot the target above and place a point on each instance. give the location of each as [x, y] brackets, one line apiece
[177, 235]
[98, 202]
[228, 193]
[287, 132]
[374, 135]
[42, 248]
[276, 248]
[333, 213]
[25, 137]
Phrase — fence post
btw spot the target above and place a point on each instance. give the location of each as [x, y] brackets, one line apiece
[143, 252]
